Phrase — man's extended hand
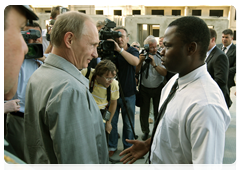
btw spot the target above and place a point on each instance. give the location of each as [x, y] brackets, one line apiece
[136, 151]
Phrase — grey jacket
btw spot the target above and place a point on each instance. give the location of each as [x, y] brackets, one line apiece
[62, 121]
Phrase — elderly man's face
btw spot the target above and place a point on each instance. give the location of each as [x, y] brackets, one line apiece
[15, 47]
[85, 48]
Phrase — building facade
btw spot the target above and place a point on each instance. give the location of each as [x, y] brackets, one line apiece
[142, 20]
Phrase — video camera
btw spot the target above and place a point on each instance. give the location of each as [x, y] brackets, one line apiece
[35, 50]
[145, 51]
[106, 48]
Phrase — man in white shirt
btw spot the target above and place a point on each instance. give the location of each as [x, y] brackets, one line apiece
[192, 128]
[218, 66]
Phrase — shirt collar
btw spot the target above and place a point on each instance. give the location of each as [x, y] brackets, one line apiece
[62, 64]
[228, 46]
[192, 76]
[209, 52]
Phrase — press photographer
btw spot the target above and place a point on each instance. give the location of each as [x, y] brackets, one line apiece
[152, 74]
[125, 58]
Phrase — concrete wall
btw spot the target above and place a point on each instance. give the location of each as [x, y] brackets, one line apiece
[132, 23]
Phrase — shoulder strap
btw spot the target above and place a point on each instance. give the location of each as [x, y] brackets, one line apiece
[109, 93]
[88, 72]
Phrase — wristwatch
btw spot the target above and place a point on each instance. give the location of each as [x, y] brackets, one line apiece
[155, 66]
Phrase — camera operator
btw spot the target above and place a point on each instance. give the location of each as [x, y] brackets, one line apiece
[104, 88]
[152, 76]
[15, 120]
[100, 25]
[127, 59]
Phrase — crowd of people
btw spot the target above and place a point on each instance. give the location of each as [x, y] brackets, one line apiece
[64, 108]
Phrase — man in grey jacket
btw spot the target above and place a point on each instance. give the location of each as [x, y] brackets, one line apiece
[62, 121]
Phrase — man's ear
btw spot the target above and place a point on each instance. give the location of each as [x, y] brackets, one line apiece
[68, 39]
[192, 47]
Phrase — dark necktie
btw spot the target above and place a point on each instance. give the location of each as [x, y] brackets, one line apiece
[224, 48]
[162, 111]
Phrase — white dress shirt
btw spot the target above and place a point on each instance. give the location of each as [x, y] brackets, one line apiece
[193, 127]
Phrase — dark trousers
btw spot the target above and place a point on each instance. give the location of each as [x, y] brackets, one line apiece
[147, 94]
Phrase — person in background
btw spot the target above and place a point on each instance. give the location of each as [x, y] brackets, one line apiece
[102, 84]
[161, 46]
[229, 49]
[127, 60]
[100, 25]
[136, 45]
[63, 124]
[193, 116]
[152, 75]
[218, 66]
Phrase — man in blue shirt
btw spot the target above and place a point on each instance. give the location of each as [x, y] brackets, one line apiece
[127, 60]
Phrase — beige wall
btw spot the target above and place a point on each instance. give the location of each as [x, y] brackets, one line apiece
[133, 23]
[163, 21]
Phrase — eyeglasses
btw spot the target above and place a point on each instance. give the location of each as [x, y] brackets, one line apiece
[136, 46]
[109, 79]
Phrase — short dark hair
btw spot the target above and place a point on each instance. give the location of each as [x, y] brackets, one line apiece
[193, 29]
[121, 27]
[213, 33]
[34, 24]
[228, 31]
[103, 67]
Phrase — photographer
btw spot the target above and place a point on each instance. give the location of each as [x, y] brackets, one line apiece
[104, 87]
[152, 76]
[15, 120]
[127, 59]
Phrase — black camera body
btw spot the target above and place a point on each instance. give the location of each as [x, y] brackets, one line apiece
[106, 48]
[145, 52]
[105, 114]
[35, 50]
